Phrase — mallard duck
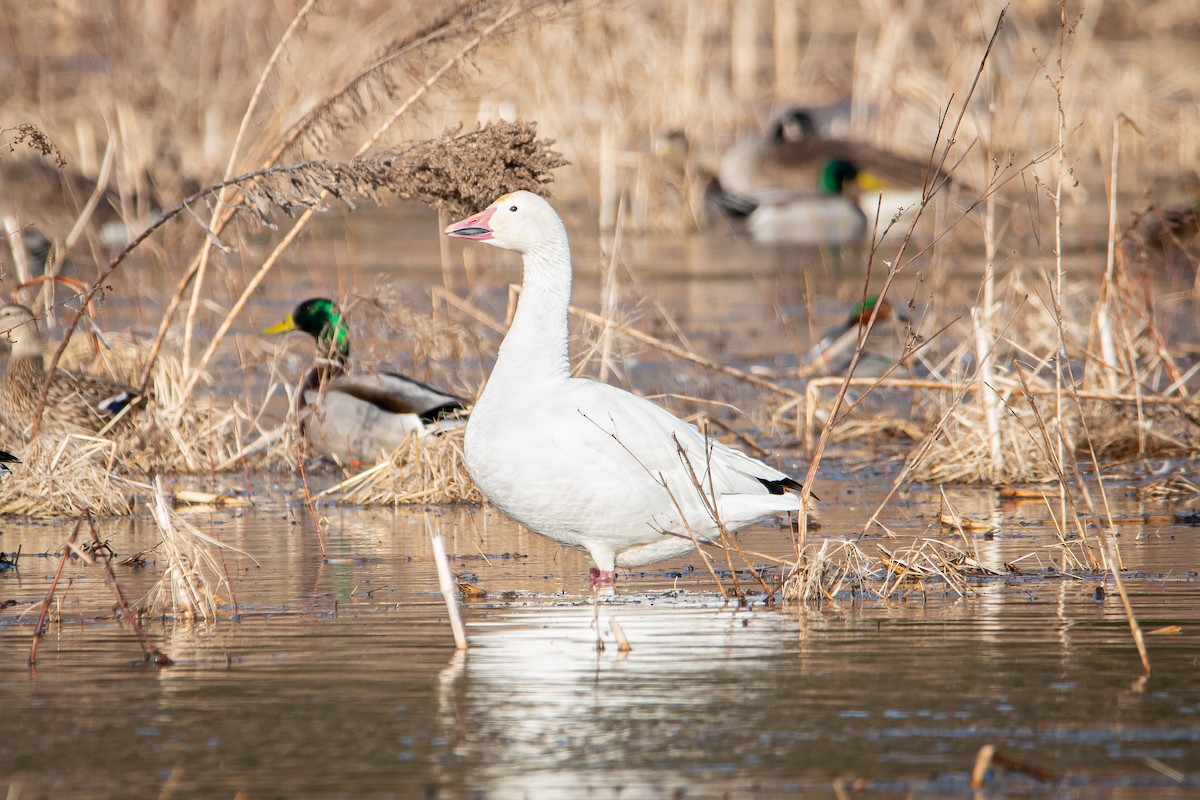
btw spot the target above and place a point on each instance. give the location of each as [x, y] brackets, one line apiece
[796, 185]
[358, 417]
[52, 197]
[584, 463]
[1163, 229]
[77, 402]
[831, 215]
[885, 345]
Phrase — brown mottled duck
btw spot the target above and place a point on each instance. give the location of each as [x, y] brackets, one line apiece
[77, 402]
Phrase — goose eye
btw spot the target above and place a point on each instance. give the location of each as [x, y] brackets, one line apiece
[512, 208]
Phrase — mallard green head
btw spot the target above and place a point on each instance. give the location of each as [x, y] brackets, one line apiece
[836, 175]
[862, 312]
[321, 318]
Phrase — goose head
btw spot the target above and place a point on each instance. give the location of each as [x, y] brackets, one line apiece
[19, 329]
[520, 221]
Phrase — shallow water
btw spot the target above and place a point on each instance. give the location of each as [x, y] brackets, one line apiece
[337, 677]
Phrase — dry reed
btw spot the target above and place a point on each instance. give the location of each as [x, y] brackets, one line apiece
[61, 477]
[195, 582]
[1137, 408]
[649, 125]
[837, 569]
[426, 470]
[1170, 486]
[87, 554]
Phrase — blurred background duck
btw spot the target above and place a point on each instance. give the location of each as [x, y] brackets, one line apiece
[797, 185]
[51, 200]
[890, 337]
[1167, 230]
[358, 417]
[77, 402]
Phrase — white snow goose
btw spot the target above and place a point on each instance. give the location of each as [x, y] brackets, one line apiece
[581, 462]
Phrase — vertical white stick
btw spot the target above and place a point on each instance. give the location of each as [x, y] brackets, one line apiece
[1108, 346]
[982, 318]
[744, 50]
[786, 35]
[446, 582]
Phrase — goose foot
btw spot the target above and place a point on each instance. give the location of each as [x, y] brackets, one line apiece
[598, 578]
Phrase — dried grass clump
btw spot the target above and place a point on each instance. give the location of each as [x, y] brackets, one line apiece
[827, 569]
[1115, 429]
[960, 452]
[876, 426]
[175, 432]
[62, 477]
[194, 577]
[457, 172]
[178, 433]
[834, 569]
[428, 470]
[1121, 394]
[461, 173]
[1110, 425]
[1118, 430]
[1175, 487]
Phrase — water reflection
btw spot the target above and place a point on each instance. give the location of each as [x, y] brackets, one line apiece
[713, 701]
[338, 677]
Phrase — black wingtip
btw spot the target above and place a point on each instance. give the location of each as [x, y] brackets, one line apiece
[784, 485]
[450, 409]
[781, 486]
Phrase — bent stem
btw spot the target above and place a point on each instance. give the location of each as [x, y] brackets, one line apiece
[216, 221]
[39, 630]
[459, 56]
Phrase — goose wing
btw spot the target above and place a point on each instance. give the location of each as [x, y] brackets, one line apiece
[659, 442]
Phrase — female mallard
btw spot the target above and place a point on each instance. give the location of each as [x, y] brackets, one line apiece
[356, 417]
[77, 402]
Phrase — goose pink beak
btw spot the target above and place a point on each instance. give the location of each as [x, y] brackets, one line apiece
[473, 227]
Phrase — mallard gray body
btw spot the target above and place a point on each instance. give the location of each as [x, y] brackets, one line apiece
[359, 416]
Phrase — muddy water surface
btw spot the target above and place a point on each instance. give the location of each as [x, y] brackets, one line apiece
[339, 678]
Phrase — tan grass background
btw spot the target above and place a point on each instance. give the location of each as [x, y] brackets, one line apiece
[164, 86]
[170, 81]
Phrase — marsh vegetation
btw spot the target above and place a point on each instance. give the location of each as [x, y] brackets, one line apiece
[193, 171]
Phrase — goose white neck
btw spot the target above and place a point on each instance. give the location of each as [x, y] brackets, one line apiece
[536, 343]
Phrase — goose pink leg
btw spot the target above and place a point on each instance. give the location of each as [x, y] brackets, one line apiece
[598, 578]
